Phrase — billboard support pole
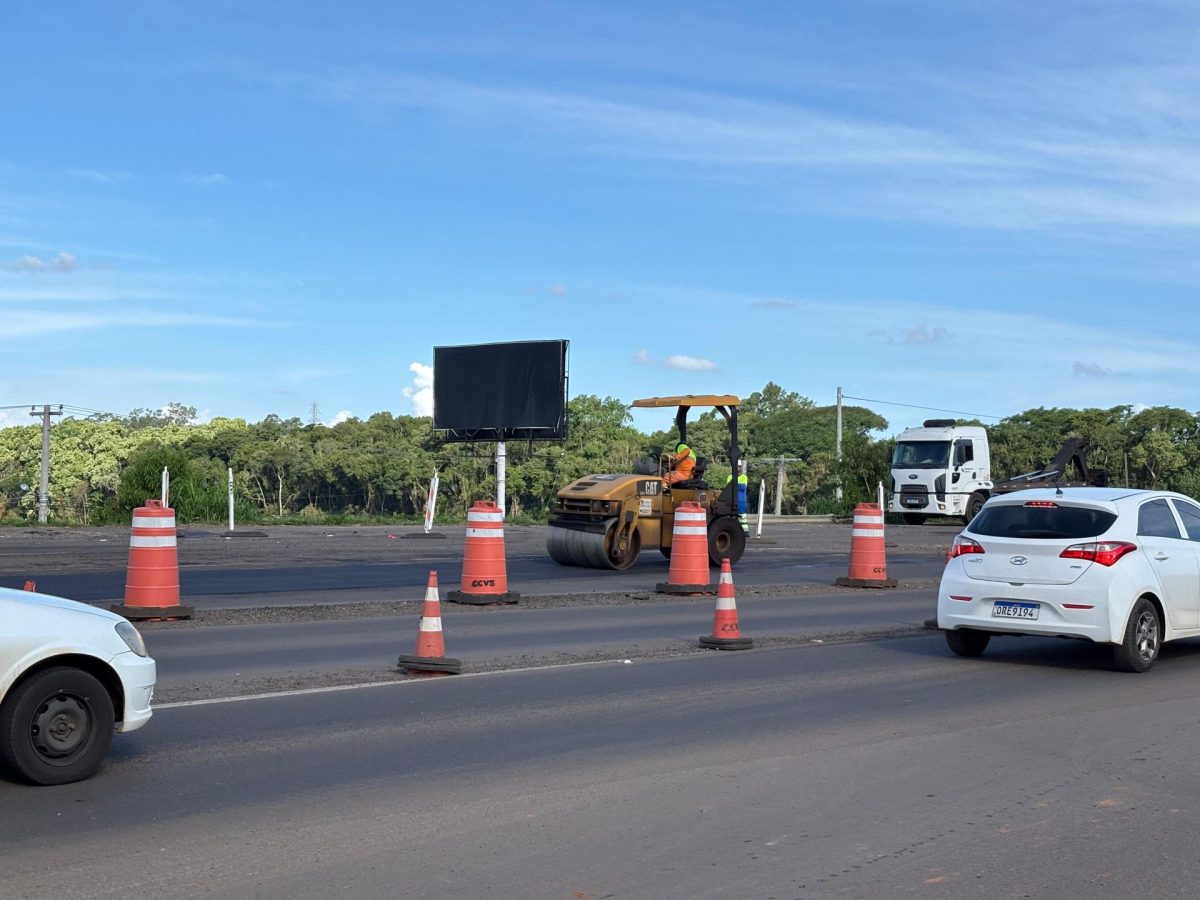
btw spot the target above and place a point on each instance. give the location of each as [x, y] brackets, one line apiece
[500, 487]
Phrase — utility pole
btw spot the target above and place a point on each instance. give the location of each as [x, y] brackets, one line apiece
[44, 492]
[779, 479]
[837, 491]
[314, 414]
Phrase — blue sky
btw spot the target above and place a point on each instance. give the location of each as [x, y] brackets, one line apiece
[251, 208]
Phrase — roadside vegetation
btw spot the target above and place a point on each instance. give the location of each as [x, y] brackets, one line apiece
[378, 469]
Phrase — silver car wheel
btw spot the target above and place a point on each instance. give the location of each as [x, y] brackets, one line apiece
[1146, 632]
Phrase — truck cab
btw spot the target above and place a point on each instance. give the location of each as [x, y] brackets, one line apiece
[940, 469]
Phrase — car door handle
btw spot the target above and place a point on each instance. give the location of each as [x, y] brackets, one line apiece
[1161, 556]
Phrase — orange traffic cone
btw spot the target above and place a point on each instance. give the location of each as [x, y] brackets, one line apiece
[726, 635]
[430, 658]
[31, 585]
[689, 552]
[484, 574]
[868, 559]
[152, 577]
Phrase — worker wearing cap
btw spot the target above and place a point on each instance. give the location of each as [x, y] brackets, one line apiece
[743, 482]
[683, 463]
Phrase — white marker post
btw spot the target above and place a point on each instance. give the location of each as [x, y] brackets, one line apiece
[166, 487]
[231, 498]
[500, 480]
[762, 498]
[431, 502]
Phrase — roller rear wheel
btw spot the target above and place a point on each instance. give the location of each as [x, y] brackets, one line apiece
[726, 540]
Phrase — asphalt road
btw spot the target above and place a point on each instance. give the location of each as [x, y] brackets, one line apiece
[878, 769]
[319, 565]
[215, 661]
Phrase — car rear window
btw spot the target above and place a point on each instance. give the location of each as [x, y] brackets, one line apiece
[1046, 522]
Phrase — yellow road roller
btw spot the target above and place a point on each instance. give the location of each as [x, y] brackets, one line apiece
[604, 521]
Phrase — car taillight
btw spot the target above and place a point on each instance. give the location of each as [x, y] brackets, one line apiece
[962, 546]
[1104, 552]
[1042, 504]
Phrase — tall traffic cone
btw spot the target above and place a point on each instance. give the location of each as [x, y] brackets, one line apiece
[868, 559]
[430, 658]
[484, 573]
[689, 552]
[726, 635]
[152, 577]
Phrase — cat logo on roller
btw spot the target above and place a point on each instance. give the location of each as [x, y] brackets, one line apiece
[604, 522]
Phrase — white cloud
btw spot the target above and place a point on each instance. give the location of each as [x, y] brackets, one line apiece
[100, 177]
[63, 262]
[642, 357]
[690, 363]
[213, 179]
[922, 334]
[341, 416]
[1091, 370]
[29, 324]
[25, 264]
[421, 390]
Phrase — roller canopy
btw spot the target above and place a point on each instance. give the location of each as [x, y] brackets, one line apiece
[689, 400]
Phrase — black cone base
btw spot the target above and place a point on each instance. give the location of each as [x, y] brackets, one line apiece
[666, 587]
[483, 599]
[715, 643]
[441, 665]
[866, 582]
[152, 612]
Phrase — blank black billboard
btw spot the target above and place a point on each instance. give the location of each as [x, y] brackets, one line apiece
[499, 392]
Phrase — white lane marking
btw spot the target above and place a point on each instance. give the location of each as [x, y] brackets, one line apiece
[180, 704]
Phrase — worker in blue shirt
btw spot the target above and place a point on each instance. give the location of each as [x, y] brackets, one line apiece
[743, 482]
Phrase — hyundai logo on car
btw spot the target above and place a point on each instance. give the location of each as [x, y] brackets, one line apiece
[1018, 560]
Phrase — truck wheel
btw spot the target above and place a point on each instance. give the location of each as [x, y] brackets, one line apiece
[967, 642]
[56, 727]
[974, 505]
[726, 540]
[912, 518]
[1143, 639]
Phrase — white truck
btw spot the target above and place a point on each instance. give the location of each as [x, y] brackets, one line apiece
[940, 469]
[943, 469]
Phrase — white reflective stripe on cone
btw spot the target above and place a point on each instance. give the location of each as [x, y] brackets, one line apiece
[865, 532]
[485, 517]
[139, 540]
[485, 532]
[726, 603]
[868, 520]
[153, 521]
[688, 529]
[431, 623]
[431, 594]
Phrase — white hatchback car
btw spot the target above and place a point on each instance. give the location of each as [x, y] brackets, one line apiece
[1111, 565]
[69, 675]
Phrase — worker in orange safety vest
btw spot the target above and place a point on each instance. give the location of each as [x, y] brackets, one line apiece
[683, 463]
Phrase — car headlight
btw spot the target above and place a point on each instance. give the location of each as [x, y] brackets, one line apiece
[132, 638]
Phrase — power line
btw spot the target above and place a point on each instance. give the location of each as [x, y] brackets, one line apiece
[957, 412]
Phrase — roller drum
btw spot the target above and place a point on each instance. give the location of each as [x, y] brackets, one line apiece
[569, 547]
